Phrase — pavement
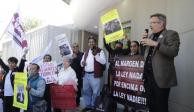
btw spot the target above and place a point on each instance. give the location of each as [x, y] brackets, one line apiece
[120, 107]
[1, 105]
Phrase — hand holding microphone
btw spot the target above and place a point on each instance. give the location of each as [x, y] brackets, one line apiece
[145, 41]
[145, 34]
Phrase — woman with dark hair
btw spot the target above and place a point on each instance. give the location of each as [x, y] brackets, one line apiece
[47, 58]
[47, 95]
[134, 47]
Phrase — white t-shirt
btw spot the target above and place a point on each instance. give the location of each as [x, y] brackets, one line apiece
[8, 89]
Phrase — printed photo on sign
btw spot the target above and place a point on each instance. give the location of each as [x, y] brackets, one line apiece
[20, 93]
[64, 46]
[127, 34]
[112, 26]
[59, 66]
[64, 50]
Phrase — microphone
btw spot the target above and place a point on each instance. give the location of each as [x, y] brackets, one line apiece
[142, 47]
[147, 31]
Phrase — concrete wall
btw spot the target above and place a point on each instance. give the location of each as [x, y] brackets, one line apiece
[180, 16]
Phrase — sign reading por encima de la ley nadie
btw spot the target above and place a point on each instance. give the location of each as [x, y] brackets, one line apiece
[127, 81]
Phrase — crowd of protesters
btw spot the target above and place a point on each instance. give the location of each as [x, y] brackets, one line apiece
[85, 69]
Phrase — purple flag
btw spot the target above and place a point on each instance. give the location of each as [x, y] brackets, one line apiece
[16, 30]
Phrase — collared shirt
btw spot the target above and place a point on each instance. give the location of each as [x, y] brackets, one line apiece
[8, 89]
[148, 62]
[100, 57]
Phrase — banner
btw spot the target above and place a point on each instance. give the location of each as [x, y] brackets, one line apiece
[16, 30]
[20, 98]
[127, 81]
[64, 46]
[63, 97]
[39, 58]
[48, 70]
[112, 26]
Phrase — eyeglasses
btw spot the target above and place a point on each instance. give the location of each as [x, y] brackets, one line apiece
[154, 22]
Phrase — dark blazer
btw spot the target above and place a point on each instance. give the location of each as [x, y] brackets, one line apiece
[17, 69]
[163, 58]
[76, 65]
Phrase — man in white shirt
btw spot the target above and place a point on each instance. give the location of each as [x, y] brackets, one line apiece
[92, 61]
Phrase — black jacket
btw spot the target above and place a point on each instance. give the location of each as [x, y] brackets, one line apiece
[76, 65]
[17, 69]
[115, 52]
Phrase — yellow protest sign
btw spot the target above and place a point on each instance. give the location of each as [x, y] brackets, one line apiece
[20, 93]
[112, 26]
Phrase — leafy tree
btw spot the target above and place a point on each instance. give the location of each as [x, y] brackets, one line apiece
[31, 23]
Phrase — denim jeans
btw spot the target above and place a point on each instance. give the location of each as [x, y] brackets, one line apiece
[91, 89]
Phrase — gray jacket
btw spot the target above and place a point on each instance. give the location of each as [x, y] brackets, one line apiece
[163, 58]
